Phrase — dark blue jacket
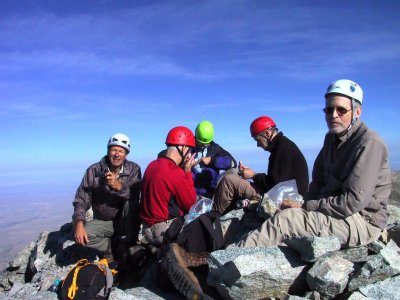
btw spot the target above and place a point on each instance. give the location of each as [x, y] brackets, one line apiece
[206, 180]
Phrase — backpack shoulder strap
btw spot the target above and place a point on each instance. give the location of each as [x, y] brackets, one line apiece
[73, 287]
[103, 265]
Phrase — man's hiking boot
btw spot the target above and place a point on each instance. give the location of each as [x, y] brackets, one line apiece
[183, 279]
[185, 258]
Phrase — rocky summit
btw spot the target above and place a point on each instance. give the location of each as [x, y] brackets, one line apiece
[305, 268]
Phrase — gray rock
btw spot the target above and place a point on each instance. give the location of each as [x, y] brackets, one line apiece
[21, 260]
[313, 295]
[375, 269]
[393, 234]
[329, 275]
[391, 254]
[394, 214]
[312, 248]
[357, 296]
[135, 293]
[292, 297]
[29, 292]
[357, 254]
[388, 289]
[230, 224]
[254, 273]
[376, 246]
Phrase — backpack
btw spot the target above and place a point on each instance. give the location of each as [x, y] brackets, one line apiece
[203, 234]
[88, 280]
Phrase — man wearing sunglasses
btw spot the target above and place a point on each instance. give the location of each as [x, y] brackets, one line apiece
[351, 181]
[349, 192]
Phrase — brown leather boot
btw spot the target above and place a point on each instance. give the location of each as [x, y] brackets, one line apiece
[185, 258]
[183, 279]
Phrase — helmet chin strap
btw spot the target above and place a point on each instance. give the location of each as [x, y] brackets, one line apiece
[183, 156]
[353, 118]
[268, 140]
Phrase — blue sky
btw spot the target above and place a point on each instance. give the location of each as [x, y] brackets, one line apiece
[73, 73]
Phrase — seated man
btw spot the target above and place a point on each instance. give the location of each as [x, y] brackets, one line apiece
[168, 190]
[351, 181]
[286, 162]
[111, 188]
[348, 195]
[212, 160]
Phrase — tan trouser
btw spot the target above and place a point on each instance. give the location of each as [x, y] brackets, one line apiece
[154, 234]
[230, 189]
[351, 231]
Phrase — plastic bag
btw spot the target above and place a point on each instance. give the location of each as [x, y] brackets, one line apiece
[272, 200]
[201, 206]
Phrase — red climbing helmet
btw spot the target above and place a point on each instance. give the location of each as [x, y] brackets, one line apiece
[260, 124]
[180, 135]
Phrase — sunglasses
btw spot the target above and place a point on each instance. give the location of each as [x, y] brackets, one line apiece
[340, 110]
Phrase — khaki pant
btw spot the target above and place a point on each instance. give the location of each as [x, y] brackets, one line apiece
[351, 231]
[231, 189]
[100, 232]
[154, 234]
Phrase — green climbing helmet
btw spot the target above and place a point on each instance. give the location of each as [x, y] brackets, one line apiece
[205, 132]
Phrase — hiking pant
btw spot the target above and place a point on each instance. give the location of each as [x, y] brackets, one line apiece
[154, 234]
[351, 231]
[231, 189]
[100, 232]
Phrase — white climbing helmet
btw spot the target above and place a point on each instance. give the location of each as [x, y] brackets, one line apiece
[119, 139]
[346, 87]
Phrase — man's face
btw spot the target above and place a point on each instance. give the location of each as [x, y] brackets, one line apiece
[201, 146]
[261, 140]
[338, 121]
[116, 156]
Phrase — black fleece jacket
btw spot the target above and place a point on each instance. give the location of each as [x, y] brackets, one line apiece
[286, 162]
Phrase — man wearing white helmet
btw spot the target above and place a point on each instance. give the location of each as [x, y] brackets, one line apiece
[111, 188]
[348, 195]
[351, 181]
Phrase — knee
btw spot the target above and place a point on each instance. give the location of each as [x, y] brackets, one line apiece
[288, 215]
[229, 180]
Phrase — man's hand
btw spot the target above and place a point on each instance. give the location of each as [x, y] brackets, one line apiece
[189, 163]
[246, 172]
[81, 237]
[205, 160]
[113, 182]
[290, 204]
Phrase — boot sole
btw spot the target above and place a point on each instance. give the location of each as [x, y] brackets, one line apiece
[179, 276]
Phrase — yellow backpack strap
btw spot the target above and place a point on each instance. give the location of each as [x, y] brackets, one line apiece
[104, 261]
[73, 287]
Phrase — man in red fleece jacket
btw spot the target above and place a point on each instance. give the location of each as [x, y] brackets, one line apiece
[167, 189]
